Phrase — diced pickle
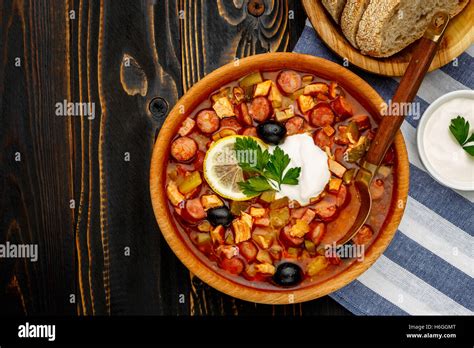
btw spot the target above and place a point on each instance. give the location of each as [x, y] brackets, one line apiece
[279, 217]
[203, 238]
[280, 203]
[204, 226]
[190, 182]
[335, 184]
[263, 88]
[229, 238]
[306, 80]
[352, 132]
[310, 246]
[293, 252]
[223, 93]
[357, 151]
[251, 79]
[348, 175]
[236, 207]
[268, 196]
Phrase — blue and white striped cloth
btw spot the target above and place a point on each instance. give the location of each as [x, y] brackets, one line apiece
[428, 268]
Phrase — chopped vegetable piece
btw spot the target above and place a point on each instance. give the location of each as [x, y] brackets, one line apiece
[275, 96]
[357, 151]
[315, 88]
[276, 251]
[263, 237]
[190, 182]
[306, 103]
[217, 234]
[223, 93]
[362, 122]
[205, 226]
[281, 116]
[352, 132]
[293, 252]
[248, 92]
[186, 127]
[342, 107]
[173, 193]
[329, 130]
[264, 257]
[251, 79]
[223, 107]
[317, 265]
[335, 184]
[265, 268]
[241, 230]
[279, 217]
[336, 168]
[239, 94]
[279, 203]
[307, 79]
[348, 175]
[229, 238]
[211, 201]
[257, 212]
[263, 88]
[203, 238]
[268, 196]
[299, 229]
[263, 221]
[308, 216]
[310, 246]
[248, 250]
[236, 207]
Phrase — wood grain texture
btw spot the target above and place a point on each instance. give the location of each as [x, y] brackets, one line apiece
[458, 37]
[325, 69]
[119, 55]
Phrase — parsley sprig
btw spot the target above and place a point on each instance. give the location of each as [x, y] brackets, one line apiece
[268, 170]
[460, 129]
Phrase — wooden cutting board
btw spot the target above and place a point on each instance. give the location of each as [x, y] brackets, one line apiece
[458, 37]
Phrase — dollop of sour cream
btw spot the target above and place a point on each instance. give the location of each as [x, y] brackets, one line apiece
[442, 151]
[313, 162]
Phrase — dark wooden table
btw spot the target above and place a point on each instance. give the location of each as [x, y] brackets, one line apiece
[78, 187]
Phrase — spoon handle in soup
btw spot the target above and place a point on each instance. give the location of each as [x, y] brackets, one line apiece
[410, 83]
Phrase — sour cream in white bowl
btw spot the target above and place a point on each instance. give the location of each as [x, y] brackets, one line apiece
[441, 154]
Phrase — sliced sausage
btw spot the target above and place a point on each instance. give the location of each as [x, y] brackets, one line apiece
[321, 116]
[321, 139]
[260, 109]
[183, 149]
[289, 81]
[207, 121]
[326, 208]
[233, 265]
[231, 123]
[317, 231]
[198, 160]
[250, 131]
[341, 196]
[334, 90]
[195, 209]
[294, 125]
[376, 189]
[364, 236]
[248, 250]
[342, 107]
[243, 116]
[286, 238]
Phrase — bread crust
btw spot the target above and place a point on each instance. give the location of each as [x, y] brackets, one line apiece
[334, 7]
[350, 18]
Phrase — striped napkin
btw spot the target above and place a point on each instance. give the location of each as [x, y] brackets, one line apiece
[428, 268]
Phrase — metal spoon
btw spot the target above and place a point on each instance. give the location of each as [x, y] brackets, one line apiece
[390, 124]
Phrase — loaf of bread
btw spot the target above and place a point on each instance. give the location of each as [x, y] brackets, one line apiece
[334, 8]
[381, 28]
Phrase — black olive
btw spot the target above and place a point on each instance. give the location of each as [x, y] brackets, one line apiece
[219, 216]
[271, 132]
[288, 274]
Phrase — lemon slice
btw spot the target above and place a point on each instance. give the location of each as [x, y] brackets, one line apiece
[221, 168]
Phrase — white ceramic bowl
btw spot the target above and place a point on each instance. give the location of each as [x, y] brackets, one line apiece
[420, 142]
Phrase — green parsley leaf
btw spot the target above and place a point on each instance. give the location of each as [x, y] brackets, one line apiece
[268, 170]
[459, 127]
[254, 185]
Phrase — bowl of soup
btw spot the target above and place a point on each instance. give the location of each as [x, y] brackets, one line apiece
[251, 178]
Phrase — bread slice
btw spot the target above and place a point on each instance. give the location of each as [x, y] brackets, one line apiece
[388, 26]
[334, 8]
[350, 18]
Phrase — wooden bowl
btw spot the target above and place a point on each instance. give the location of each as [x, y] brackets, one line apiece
[358, 88]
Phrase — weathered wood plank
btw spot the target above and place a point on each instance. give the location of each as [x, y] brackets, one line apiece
[35, 189]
